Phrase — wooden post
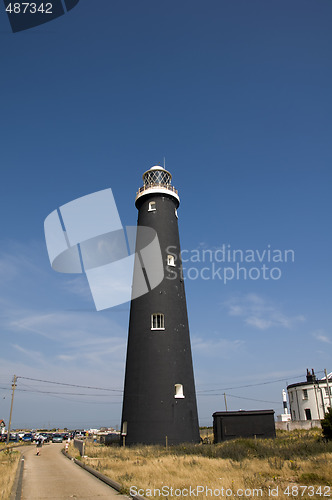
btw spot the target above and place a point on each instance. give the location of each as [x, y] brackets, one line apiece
[11, 408]
[328, 388]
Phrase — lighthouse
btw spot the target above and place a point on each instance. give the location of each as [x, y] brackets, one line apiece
[284, 417]
[159, 403]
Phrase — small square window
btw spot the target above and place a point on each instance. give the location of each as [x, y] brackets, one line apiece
[152, 206]
[178, 391]
[157, 321]
[171, 260]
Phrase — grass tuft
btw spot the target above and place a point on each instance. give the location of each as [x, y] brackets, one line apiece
[9, 460]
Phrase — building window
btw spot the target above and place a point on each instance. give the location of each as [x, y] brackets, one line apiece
[307, 414]
[178, 391]
[327, 391]
[152, 206]
[171, 260]
[157, 321]
[305, 394]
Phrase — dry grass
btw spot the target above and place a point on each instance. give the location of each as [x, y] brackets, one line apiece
[8, 465]
[293, 459]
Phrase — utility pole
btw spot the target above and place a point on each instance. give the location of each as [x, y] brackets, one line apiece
[328, 388]
[225, 400]
[11, 407]
[317, 404]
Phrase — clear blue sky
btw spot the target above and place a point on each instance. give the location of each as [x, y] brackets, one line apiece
[237, 96]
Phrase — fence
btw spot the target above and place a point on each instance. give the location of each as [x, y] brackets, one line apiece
[298, 424]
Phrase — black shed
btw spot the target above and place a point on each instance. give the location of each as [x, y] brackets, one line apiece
[234, 424]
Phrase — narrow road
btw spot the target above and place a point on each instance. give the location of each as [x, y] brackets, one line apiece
[52, 476]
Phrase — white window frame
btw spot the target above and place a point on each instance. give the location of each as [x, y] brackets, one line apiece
[305, 394]
[171, 260]
[159, 320]
[152, 206]
[178, 388]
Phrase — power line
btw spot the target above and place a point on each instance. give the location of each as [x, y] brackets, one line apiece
[121, 391]
[241, 397]
[60, 395]
[66, 393]
[251, 385]
[71, 385]
[56, 394]
[252, 399]
[87, 402]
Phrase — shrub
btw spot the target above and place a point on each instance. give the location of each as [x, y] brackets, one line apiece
[327, 425]
[312, 478]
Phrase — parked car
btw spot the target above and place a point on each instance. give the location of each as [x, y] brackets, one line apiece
[12, 437]
[57, 438]
[43, 436]
[79, 434]
[28, 437]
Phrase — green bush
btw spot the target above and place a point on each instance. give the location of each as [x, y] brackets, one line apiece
[327, 425]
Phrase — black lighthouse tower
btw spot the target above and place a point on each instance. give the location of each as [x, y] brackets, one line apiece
[159, 402]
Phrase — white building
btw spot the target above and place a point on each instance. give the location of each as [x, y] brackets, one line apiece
[310, 400]
[2, 427]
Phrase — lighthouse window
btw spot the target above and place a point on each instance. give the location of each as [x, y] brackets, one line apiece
[170, 260]
[152, 206]
[178, 391]
[157, 321]
[176, 213]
